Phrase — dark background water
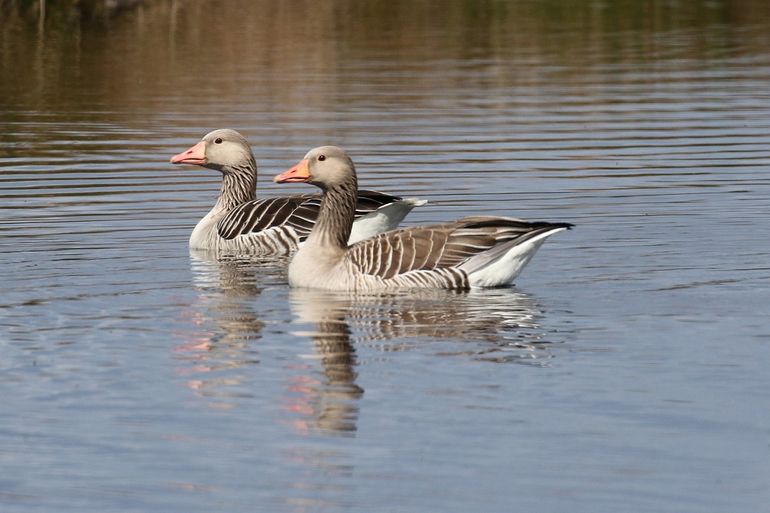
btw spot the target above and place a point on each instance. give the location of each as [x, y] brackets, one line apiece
[626, 371]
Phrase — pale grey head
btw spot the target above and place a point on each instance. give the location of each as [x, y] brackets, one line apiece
[329, 166]
[326, 167]
[224, 149]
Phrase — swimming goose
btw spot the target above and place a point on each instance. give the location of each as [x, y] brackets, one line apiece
[478, 251]
[240, 223]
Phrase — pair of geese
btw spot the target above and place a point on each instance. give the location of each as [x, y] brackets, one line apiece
[345, 238]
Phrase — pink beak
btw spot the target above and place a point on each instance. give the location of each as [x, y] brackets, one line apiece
[195, 155]
[299, 173]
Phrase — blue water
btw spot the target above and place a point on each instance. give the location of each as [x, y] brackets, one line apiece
[625, 370]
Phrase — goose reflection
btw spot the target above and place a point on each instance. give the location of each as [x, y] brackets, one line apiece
[503, 324]
[328, 404]
[322, 393]
[226, 325]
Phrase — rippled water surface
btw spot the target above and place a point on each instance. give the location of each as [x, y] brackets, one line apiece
[625, 371]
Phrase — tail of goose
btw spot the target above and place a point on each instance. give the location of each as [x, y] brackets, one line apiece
[504, 262]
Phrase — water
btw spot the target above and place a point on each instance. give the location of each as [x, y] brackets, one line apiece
[625, 371]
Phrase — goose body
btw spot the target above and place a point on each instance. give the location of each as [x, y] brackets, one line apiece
[478, 251]
[240, 223]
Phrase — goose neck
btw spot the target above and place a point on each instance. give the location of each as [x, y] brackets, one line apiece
[239, 185]
[335, 217]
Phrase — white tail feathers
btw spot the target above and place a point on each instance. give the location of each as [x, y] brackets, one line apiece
[502, 264]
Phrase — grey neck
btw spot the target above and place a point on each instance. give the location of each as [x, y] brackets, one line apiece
[239, 185]
[335, 216]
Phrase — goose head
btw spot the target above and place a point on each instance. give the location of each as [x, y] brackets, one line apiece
[224, 150]
[325, 167]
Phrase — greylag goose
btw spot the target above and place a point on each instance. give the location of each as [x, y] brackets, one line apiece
[479, 251]
[240, 223]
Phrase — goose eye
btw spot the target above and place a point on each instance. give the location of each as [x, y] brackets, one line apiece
[218, 140]
[321, 157]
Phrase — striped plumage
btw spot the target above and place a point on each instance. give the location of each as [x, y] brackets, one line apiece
[239, 223]
[480, 251]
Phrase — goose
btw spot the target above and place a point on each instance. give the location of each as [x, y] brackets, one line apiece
[476, 251]
[240, 223]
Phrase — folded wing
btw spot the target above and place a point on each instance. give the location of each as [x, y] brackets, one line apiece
[440, 246]
[297, 212]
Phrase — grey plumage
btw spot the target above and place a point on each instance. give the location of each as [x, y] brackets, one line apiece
[472, 251]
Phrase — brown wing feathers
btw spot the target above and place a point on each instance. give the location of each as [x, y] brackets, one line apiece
[255, 216]
[439, 246]
[299, 212]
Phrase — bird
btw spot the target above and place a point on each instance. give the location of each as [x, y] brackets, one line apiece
[475, 251]
[239, 223]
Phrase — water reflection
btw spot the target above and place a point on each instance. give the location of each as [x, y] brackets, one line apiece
[499, 325]
[244, 53]
[227, 324]
[503, 319]
[328, 404]
[322, 392]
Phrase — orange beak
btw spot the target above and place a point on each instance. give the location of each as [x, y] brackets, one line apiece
[195, 155]
[299, 173]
